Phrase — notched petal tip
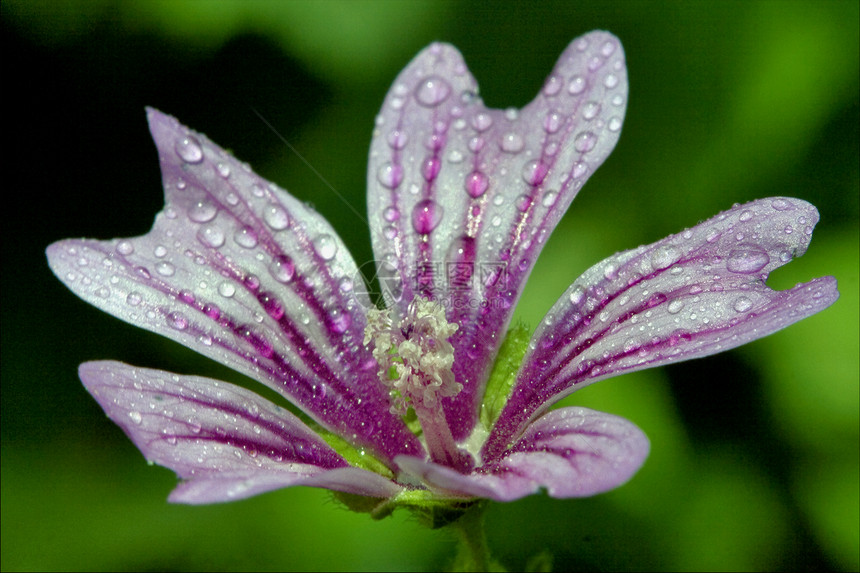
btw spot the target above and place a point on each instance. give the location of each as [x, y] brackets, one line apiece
[690, 295]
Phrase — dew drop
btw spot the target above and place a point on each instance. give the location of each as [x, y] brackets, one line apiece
[326, 247]
[549, 198]
[614, 123]
[576, 85]
[246, 237]
[747, 260]
[226, 289]
[282, 268]
[590, 110]
[189, 150]
[585, 141]
[134, 298]
[534, 172]
[165, 269]
[271, 304]
[482, 122]
[742, 304]
[211, 236]
[136, 417]
[391, 214]
[430, 168]
[552, 122]
[223, 170]
[276, 217]
[389, 175]
[338, 322]
[432, 91]
[177, 320]
[426, 216]
[780, 204]
[477, 184]
[675, 306]
[576, 295]
[124, 248]
[665, 256]
[512, 143]
[397, 139]
[610, 81]
[552, 85]
[745, 215]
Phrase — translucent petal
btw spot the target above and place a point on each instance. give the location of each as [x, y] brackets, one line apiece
[226, 442]
[570, 452]
[461, 198]
[696, 293]
[237, 269]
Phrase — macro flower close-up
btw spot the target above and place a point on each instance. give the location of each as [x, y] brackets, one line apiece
[433, 398]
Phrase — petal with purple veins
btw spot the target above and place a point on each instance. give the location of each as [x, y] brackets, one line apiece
[693, 294]
[226, 442]
[237, 269]
[570, 452]
[462, 198]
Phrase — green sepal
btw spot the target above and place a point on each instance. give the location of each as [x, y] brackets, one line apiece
[504, 373]
[353, 456]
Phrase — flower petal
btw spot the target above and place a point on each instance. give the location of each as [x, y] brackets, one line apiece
[693, 294]
[571, 452]
[462, 198]
[227, 442]
[237, 269]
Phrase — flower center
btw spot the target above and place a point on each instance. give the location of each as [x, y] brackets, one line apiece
[415, 364]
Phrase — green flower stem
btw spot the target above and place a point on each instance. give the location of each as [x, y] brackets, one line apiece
[473, 553]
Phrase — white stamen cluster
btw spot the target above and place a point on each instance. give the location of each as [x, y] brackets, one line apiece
[414, 355]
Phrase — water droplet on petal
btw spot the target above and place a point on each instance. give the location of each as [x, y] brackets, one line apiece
[552, 85]
[746, 215]
[125, 248]
[165, 269]
[675, 306]
[430, 168]
[226, 289]
[426, 216]
[747, 260]
[136, 417]
[482, 122]
[550, 198]
[276, 217]
[282, 268]
[780, 204]
[512, 143]
[271, 304]
[389, 175]
[477, 184]
[326, 247]
[391, 214]
[742, 304]
[590, 110]
[246, 237]
[610, 81]
[223, 170]
[177, 320]
[189, 150]
[665, 256]
[585, 142]
[397, 139]
[211, 236]
[552, 122]
[534, 172]
[576, 85]
[134, 298]
[432, 91]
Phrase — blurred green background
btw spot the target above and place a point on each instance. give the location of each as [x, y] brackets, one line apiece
[754, 462]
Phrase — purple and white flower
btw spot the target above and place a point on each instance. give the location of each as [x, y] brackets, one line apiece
[424, 401]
